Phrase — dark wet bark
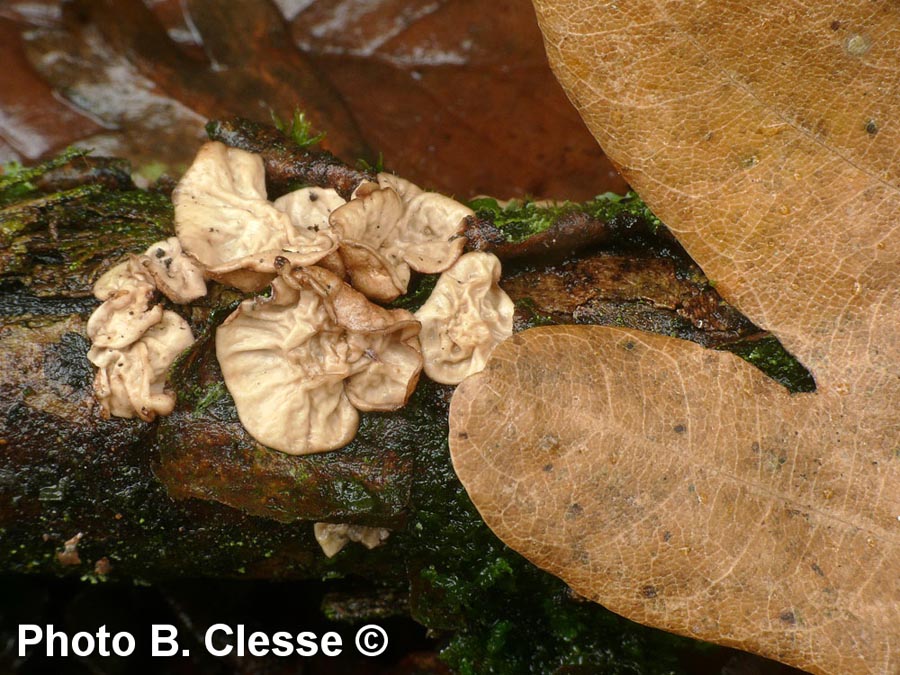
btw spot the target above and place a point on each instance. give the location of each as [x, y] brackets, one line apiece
[634, 289]
[109, 172]
[570, 234]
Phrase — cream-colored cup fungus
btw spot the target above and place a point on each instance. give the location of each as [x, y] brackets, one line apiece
[465, 317]
[134, 340]
[176, 275]
[387, 229]
[224, 220]
[300, 363]
[128, 308]
[123, 275]
[130, 380]
[309, 208]
[332, 537]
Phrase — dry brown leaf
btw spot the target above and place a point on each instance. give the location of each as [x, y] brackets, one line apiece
[679, 486]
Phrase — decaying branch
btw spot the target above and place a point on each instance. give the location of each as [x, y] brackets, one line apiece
[193, 493]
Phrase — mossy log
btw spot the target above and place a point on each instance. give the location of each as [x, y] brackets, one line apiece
[194, 495]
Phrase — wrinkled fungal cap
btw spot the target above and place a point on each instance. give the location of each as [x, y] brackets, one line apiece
[464, 318]
[127, 311]
[393, 226]
[332, 537]
[433, 225]
[309, 208]
[131, 380]
[300, 364]
[386, 341]
[175, 274]
[125, 274]
[406, 189]
[368, 227]
[223, 219]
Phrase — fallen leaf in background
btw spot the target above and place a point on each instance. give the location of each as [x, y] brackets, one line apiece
[33, 122]
[455, 94]
[466, 90]
[676, 485]
[135, 119]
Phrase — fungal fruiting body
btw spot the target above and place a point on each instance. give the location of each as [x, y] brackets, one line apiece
[302, 361]
[392, 227]
[133, 342]
[177, 276]
[466, 316]
[224, 219]
[332, 537]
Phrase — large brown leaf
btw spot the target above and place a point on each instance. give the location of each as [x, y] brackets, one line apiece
[456, 94]
[676, 485]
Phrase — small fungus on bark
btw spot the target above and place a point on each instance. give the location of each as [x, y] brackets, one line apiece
[128, 308]
[117, 277]
[223, 219]
[466, 316]
[332, 537]
[130, 380]
[394, 226]
[309, 208]
[177, 276]
[301, 363]
[133, 339]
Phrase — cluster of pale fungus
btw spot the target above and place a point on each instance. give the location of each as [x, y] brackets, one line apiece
[332, 537]
[133, 339]
[301, 361]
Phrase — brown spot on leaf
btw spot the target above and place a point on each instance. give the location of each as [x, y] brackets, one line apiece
[574, 511]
